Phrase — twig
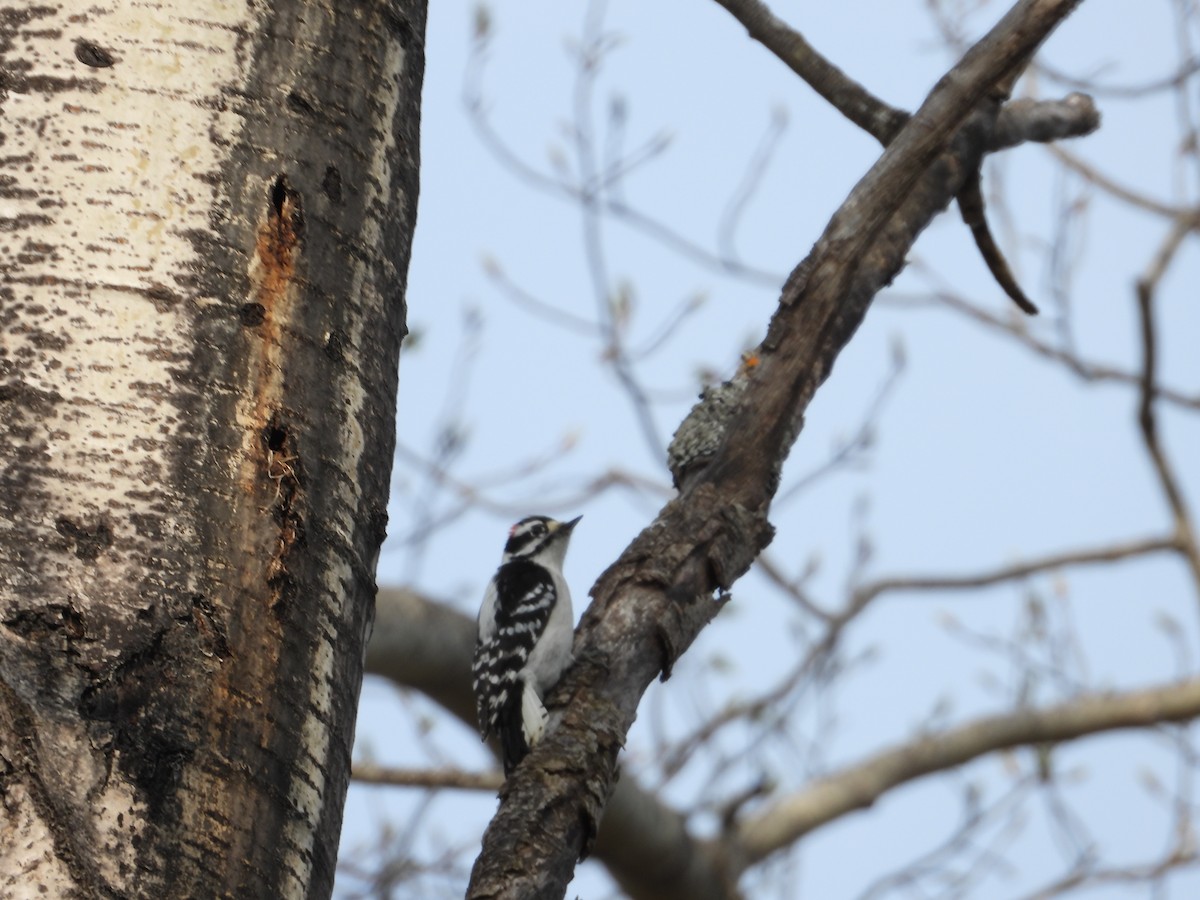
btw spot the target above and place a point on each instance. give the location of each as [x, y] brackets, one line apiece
[862, 438]
[1180, 857]
[1120, 191]
[1083, 369]
[458, 779]
[594, 44]
[1147, 418]
[611, 203]
[971, 206]
[1114, 553]
[845, 94]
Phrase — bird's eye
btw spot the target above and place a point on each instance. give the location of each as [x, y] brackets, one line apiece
[538, 529]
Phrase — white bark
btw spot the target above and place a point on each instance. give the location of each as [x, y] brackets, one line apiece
[205, 216]
[96, 226]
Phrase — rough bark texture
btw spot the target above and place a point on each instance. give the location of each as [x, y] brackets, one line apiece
[650, 605]
[644, 844]
[205, 226]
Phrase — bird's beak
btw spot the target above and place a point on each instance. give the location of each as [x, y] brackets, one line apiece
[568, 526]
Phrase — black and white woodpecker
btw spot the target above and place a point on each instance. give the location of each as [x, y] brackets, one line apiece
[525, 631]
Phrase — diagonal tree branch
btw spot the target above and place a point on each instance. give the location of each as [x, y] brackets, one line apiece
[650, 605]
[644, 844]
[846, 95]
[860, 786]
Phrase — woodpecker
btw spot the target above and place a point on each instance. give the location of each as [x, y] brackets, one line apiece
[525, 633]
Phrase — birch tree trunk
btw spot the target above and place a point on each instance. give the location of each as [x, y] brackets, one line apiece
[206, 213]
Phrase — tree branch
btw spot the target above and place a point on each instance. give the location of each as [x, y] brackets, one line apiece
[971, 205]
[842, 92]
[1122, 192]
[370, 773]
[1113, 553]
[644, 844]
[1147, 414]
[1084, 369]
[650, 605]
[1044, 121]
[860, 786]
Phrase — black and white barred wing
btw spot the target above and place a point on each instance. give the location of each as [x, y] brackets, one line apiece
[513, 617]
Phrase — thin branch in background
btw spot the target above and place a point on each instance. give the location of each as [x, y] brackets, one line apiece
[866, 593]
[1069, 830]
[614, 171]
[1189, 139]
[672, 762]
[767, 565]
[852, 450]
[676, 242]
[547, 312]
[669, 327]
[1185, 534]
[434, 779]
[1122, 192]
[819, 654]
[475, 495]
[388, 867]
[611, 201]
[858, 786]
[1066, 250]
[1182, 857]
[449, 437]
[1139, 91]
[593, 46]
[751, 181]
[1084, 369]
[932, 872]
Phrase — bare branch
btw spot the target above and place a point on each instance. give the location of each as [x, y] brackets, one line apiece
[860, 786]
[1082, 368]
[645, 844]
[370, 773]
[1114, 553]
[610, 202]
[1147, 415]
[1044, 121]
[1183, 856]
[1120, 191]
[845, 94]
[1176, 79]
[971, 205]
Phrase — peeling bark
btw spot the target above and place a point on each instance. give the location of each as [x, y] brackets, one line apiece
[205, 224]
